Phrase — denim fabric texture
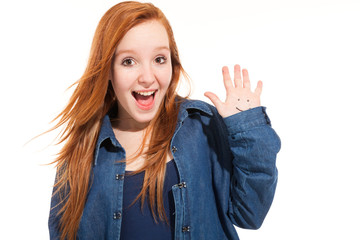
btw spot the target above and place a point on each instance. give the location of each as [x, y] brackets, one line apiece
[227, 176]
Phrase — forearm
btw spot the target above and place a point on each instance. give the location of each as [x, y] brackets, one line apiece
[254, 145]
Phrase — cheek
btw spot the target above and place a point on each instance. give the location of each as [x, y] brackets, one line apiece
[165, 78]
[119, 88]
[121, 82]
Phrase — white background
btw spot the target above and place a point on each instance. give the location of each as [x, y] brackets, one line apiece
[306, 52]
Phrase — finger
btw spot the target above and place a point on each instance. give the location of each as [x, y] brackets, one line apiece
[246, 79]
[258, 88]
[237, 76]
[227, 79]
[214, 99]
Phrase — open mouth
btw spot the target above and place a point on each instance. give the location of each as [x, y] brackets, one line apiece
[144, 99]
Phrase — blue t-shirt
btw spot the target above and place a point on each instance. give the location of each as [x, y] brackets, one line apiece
[139, 224]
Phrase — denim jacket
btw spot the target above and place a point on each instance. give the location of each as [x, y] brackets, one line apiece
[227, 176]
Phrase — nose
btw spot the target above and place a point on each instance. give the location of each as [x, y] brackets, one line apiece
[147, 76]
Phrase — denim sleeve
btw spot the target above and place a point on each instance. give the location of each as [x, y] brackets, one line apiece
[254, 145]
[54, 218]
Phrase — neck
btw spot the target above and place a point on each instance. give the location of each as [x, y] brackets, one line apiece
[129, 125]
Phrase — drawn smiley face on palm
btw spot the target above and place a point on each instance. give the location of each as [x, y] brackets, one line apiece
[239, 96]
[243, 104]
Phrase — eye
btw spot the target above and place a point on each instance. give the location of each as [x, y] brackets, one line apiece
[128, 62]
[160, 60]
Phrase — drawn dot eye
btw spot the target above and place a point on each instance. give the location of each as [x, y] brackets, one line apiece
[248, 100]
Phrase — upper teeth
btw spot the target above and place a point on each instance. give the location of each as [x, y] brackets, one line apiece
[146, 93]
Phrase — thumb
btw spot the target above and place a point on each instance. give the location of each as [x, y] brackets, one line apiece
[214, 99]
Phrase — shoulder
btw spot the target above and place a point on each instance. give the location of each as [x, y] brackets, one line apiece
[207, 114]
[190, 105]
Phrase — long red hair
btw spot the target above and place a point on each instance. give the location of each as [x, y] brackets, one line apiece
[92, 99]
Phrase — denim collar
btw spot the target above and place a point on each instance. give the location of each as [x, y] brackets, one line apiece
[106, 131]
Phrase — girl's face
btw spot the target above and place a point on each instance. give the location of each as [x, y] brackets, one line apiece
[141, 72]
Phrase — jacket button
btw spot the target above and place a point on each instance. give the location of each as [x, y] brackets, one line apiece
[174, 149]
[119, 176]
[186, 229]
[181, 185]
[117, 215]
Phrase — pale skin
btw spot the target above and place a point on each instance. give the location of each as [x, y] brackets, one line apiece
[142, 65]
[239, 97]
[130, 140]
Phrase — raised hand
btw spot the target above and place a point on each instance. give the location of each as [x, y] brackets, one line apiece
[239, 97]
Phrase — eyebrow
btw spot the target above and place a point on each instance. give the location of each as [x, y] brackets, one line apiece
[133, 51]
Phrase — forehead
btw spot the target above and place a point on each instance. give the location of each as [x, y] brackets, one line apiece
[144, 37]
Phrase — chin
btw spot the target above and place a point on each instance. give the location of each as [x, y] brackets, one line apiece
[144, 118]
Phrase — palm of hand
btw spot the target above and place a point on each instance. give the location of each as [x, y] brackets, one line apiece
[239, 96]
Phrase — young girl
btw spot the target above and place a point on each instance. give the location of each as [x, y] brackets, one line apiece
[141, 162]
